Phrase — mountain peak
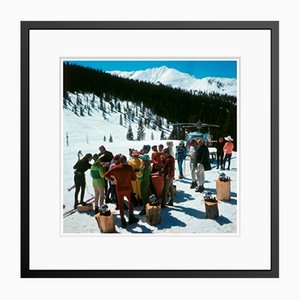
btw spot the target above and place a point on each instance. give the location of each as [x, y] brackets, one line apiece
[173, 77]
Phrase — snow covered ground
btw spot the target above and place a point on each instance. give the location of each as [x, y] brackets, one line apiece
[187, 216]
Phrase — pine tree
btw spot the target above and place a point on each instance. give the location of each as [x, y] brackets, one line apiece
[65, 103]
[158, 122]
[78, 100]
[129, 135]
[104, 139]
[162, 135]
[93, 101]
[141, 131]
[110, 139]
[81, 111]
[75, 110]
[152, 136]
[121, 120]
[67, 138]
[119, 107]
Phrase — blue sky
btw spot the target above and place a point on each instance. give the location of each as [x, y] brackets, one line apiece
[198, 69]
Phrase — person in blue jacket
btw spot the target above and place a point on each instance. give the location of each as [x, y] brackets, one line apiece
[181, 152]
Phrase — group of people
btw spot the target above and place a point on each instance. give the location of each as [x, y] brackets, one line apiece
[114, 177]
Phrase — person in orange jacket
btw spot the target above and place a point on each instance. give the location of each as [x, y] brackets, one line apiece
[228, 148]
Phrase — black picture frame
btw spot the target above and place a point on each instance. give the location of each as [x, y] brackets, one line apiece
[28, 26]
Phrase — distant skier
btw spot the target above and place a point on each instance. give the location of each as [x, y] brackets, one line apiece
[81, 166]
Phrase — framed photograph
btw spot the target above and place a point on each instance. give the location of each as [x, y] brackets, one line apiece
[154, 140]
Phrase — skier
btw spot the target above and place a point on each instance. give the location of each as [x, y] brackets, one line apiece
[81, 166]
[220, 153]
[106, 159]
[228, 148]
[170, 147]
[136, 163]
[97, 173]
[193, 162]
[157, 159]
[122, 174]
[144, 181]
[203, 164]
[180, 157]
[168, 171]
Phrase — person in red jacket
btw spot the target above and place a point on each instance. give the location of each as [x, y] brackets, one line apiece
[168, 171]
[156, 158]
[122, 174]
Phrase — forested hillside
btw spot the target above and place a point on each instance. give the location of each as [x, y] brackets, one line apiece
[173, 104]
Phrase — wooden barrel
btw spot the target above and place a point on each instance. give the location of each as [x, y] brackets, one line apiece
[211, 209]
[106, 224]
[153, 214]
[158, 182]
[223, 190]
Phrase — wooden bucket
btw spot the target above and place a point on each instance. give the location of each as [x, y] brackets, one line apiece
[106, 224]
[211, 209]
[153, 214]
[223, 190]
[84, 208]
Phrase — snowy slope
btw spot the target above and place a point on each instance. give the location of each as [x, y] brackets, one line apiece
[185, 217]
[175, 78]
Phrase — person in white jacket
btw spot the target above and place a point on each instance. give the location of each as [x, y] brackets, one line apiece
[193, 162]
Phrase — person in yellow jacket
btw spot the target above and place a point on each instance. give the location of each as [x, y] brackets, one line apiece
[228, 148]
[136, 163]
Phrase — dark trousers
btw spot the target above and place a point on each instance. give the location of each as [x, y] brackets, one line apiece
[220, 161]
[79, 180]
[227, 158]
[112, 192]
